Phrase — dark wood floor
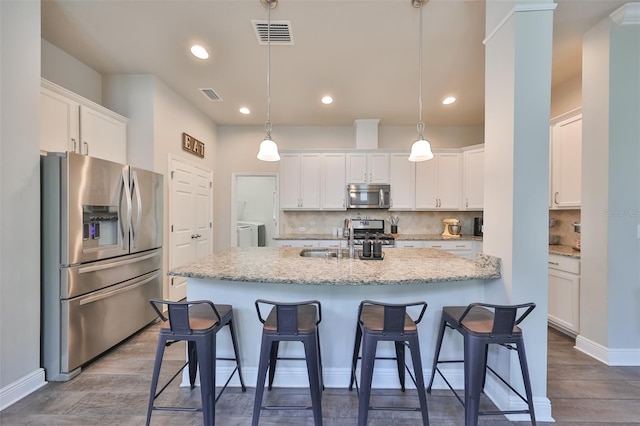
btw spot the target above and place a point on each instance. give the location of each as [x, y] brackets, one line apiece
[113, 390]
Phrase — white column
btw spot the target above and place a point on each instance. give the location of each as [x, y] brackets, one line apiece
[517, 114]
[610, 256]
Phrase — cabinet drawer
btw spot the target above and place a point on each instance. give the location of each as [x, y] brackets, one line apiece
[410, 244]
[449, 245]
[564, 263]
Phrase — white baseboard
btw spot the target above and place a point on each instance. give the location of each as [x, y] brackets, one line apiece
[22, 387]
[505, 400]
[611, 357]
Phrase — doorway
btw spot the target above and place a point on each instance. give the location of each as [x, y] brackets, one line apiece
[254, 209]
[190, 218]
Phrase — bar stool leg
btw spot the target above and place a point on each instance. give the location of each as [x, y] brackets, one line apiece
[192, 360]
[273, 359]
[155, 375]
[366, 377]
[522, 356]
[474, 355]
[262, 374]
[311, 353]
[414, 348]
[236, 351]
[356, 351]
[400, 361]
[443, 326]
[207, 352]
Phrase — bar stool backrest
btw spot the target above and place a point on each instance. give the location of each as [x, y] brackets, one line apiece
[505, 320]
[178, 315]
[287, 315]
[394, 315]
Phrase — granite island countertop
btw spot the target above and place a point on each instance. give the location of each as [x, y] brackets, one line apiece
[398, 237]
[285, 265]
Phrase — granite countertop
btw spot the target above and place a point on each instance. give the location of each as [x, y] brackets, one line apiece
[399, 237]
[561, 250]
[286, 266]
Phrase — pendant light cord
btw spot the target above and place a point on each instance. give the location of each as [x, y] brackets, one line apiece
[268, 124]
[420, 122]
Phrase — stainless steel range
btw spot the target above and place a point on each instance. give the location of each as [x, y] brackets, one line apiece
[372, 229]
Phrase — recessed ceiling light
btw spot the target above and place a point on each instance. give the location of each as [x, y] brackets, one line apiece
[327, 100]
[245, 111]
[448, 100]
[199, 52]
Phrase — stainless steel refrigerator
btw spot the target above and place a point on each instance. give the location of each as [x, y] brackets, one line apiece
[101, 257]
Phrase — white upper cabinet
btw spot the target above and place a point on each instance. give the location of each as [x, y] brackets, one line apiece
[367, 167]
[402, 178]
[566, 163]
[473, 179]
[72, 123]
[300, 181]
[439, 182]
[334, 182]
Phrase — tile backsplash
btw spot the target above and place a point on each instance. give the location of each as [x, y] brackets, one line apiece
[564, 225]
[322, 222]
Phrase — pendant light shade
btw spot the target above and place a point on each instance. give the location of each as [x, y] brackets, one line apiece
[268, 151]
[421, 149]
[268, 148]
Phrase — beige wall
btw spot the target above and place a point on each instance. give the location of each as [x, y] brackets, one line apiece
[566, 96]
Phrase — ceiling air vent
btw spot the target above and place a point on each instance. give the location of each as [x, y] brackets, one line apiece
[280, 31]
[211, 94]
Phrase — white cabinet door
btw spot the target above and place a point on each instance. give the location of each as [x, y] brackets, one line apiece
[566, 156]
[334, 182]
[367, 168]
[290, 181]
[59, 130]
[310, 181]
[564, 293]
[102, 136]
[473, 179]
[450, 181]
[402, 178]
[300, 181]
[427, 184]
[439, 182]
[378, 168]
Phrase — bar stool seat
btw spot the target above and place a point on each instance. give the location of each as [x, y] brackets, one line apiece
[482, 324]
[387, 322]
[197, 323]
[297, 321]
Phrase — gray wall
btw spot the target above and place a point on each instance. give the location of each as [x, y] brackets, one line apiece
[19, 199]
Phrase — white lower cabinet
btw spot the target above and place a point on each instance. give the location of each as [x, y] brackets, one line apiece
[464, 249]
[564, 293]
[297, 243]
[409, 244]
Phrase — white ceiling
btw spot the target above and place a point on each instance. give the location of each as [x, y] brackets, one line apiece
[364, 53]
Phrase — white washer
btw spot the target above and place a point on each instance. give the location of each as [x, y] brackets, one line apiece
[257, 228]
[246, 236]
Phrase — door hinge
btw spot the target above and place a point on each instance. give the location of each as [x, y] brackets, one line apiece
[172, 278]
[171, 228]
[210, 184]
[172, 172]
[210, 225]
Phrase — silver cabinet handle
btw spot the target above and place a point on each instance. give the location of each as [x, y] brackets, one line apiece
[467, 203]
[364, 178]
[555, 198]
[74, 144]
[86, 146]
[370, 177]
[554, 263]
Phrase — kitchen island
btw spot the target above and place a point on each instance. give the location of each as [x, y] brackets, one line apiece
[239, 276]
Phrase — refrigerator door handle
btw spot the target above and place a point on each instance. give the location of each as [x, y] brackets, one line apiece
[93, 268]
[135, 184]
[125, 225]
[122, 289]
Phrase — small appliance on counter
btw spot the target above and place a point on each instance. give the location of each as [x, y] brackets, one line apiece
[452, 228]
[577, 226]
[477, 226]
[393, 220]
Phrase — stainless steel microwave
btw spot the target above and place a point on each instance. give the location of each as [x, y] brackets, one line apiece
[368, 196]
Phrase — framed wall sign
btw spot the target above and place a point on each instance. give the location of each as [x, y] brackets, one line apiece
[192, 145]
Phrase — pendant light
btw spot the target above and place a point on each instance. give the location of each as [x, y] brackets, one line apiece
[421, 149]
[268, 148]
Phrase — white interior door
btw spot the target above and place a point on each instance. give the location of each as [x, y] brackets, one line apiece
[190, 216]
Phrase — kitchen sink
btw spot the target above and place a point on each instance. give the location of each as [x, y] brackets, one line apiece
[321, 252]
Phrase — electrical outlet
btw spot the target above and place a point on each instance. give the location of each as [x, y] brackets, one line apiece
[301, 229]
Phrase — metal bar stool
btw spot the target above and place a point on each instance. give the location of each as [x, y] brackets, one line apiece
[290, 322]
[483, 324]
[197, 323]
[387, 322]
